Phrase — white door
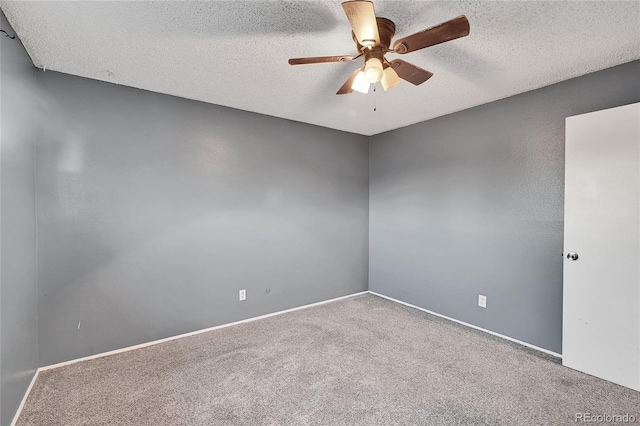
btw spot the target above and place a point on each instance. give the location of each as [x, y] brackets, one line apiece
[601, 294]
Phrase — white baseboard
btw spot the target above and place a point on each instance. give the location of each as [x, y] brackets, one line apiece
[24, 399]
[192, 333]
[546, 351]
[155, 342]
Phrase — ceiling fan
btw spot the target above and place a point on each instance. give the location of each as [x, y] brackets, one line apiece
[373, 36]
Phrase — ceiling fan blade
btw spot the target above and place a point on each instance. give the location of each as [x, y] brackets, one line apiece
[363, 21]
[346, 87]
[320, 59]
[450, 30]
[410, 72]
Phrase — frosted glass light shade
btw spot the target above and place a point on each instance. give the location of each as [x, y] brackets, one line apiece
[373, 70]
[360, 83]
[389, 78]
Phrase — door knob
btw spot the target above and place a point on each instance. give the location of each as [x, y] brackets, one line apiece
[572, 255]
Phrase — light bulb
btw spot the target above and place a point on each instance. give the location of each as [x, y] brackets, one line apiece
[373, 70]
[360, 83]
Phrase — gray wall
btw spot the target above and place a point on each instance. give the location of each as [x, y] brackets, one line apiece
[472, 203]
[18, 327]
[153, 211]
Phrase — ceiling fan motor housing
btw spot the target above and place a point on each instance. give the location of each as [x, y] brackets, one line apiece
[374, 52]
[386, 31]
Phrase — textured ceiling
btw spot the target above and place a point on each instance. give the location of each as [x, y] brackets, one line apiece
[235, 53]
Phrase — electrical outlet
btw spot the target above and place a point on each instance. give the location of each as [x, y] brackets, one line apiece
[482, 301]
[243, 294]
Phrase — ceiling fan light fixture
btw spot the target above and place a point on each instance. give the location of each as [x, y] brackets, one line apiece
[373, 36]
[360, 83]
[373, 70]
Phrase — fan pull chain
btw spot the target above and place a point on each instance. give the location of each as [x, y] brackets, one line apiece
[375, 107]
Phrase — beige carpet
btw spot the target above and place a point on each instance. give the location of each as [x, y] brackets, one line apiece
[362, 360]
